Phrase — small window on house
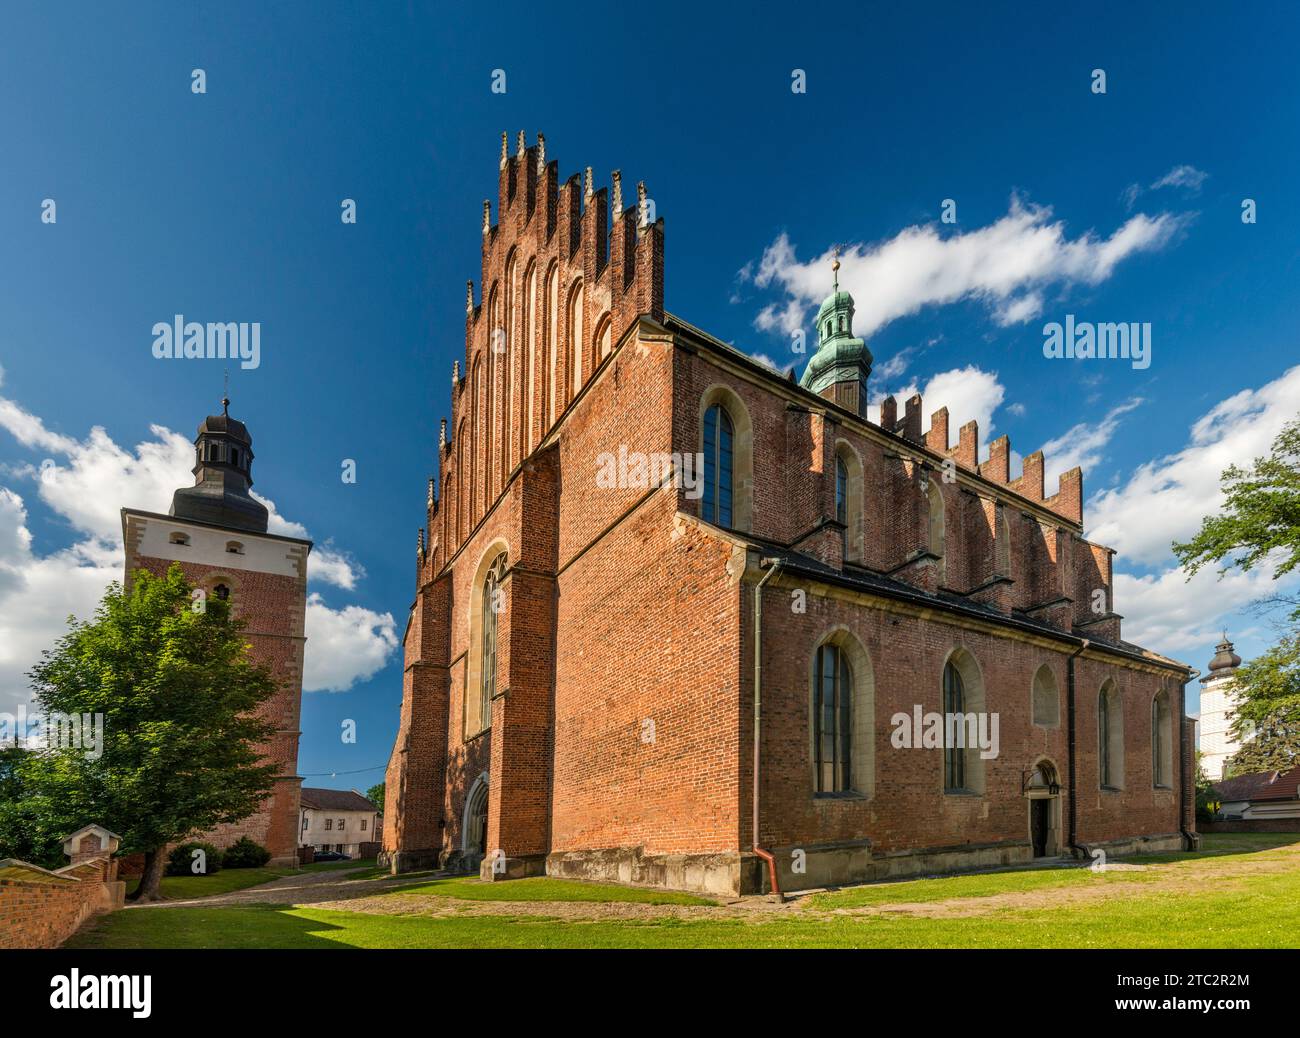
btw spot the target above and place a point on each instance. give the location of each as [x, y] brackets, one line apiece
[363, 825]
[304, 823]
[180, 538]
[234, 548]
[341, 824]
[329, 824]
[222, 592]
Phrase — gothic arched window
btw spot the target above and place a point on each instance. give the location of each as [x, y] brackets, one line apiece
[954, 703]
[715, 507]
[832, 721]
[493, 599]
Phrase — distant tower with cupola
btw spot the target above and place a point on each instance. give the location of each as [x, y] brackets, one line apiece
[218, 533]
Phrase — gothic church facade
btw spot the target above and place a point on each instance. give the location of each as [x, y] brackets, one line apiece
[708, 682]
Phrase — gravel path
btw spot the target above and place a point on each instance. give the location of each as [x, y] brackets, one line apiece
[307, 888]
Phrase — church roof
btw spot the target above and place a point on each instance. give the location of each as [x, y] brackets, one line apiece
[224, 425]
[1224, 657]
[222, 477]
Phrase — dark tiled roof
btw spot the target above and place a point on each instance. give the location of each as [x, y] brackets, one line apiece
[335, 800]
[867, 580]
[1263, 785]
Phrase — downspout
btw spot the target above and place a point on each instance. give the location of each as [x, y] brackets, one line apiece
[773, 567]
[1190, 840]
[1082, 852]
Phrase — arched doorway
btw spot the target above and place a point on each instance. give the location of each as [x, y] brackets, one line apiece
[473, 840]
[1043, 791]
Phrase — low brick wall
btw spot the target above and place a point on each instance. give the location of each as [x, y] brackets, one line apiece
[1251, 825]
[42, 909]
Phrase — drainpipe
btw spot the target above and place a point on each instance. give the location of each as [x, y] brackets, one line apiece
[773, 567]
[1190, 841]
[1071, 740]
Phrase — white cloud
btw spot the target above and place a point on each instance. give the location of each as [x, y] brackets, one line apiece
[1164, 499]
[345, 645]
[1188, 177]
[967, 392]
[1082, 444]
[86, 485]
[1006, 265]
[1172, 614]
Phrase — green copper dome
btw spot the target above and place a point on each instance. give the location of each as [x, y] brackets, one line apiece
[840, 357]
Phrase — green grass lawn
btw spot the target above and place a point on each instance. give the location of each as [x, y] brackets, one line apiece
[1183, 901]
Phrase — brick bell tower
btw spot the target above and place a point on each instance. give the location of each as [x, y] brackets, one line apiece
[217, 531]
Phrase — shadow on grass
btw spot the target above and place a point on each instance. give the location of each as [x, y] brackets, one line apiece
[247, 926]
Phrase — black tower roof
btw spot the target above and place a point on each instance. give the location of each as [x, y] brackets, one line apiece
[222, 475]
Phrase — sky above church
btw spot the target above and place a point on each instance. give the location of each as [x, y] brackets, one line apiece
[977, 182]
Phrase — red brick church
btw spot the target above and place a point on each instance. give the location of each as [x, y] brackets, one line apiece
[819, 650]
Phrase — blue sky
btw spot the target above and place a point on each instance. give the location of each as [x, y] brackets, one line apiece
[1122, 206]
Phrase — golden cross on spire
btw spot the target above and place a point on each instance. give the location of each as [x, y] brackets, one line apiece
[835, 271]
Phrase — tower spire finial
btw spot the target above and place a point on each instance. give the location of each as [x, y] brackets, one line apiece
[225, 396]
[835, 271]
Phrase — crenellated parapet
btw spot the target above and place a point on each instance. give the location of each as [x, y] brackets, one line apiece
[1067, 502]
[564, 274]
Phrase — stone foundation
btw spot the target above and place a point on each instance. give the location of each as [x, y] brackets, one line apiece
[398, 862]
[702, 873]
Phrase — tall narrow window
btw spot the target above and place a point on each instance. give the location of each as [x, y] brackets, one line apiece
[832, 721]
[1103, 737]
[841, 490]
[493, 598]
[719, 434]
[1110, 737]
[552, 344]
[1161, 755]
[575, 334]
[954, 757]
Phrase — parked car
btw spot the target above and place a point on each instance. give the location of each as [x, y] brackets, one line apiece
[331, 856]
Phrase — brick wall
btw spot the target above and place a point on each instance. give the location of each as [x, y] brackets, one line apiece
[42, 910]
[624, 609]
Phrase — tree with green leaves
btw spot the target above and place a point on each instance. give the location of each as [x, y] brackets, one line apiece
[170, 672]
[1260, 526]
[1260, 522]
[1207, 800]
[375, 794]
